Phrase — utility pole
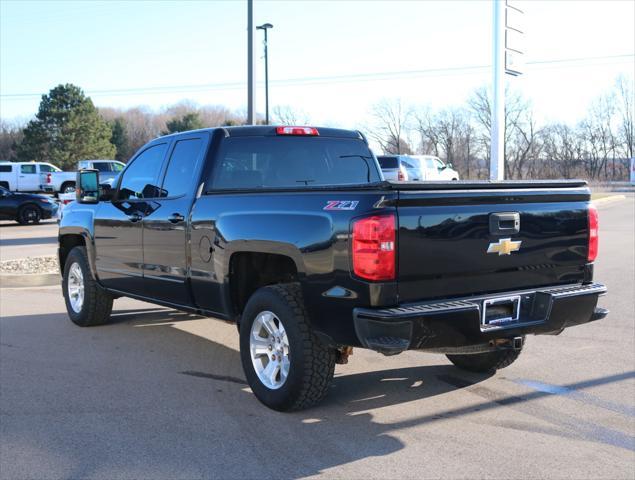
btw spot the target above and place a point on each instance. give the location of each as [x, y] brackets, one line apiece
[497, 141]
[251, 71]
[264, 28]
[508, 59]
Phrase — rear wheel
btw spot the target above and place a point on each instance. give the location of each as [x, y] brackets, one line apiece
[68, 187]
[29, 214]
[87, 303]
[286, 364]
[485, 362]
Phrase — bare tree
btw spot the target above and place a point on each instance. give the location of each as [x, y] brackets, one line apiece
[287, 115]
[10, 137]
[391, 122]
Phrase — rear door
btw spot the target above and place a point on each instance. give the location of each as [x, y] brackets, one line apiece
[119, 224]
[166, 238]
[462, 241]
[28, 178]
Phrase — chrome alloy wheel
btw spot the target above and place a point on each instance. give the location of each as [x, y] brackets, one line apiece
[269, 348]
[75, 286]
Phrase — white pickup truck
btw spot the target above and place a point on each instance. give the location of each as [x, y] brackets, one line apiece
[25, 176]
[64, 182]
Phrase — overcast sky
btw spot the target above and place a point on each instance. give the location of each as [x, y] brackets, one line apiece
[332, 59]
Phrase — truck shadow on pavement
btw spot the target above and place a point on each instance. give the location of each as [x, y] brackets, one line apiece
[159, 399]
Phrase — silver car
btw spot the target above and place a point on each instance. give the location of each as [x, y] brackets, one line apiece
[400, 167]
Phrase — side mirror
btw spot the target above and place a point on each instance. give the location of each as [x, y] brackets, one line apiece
[87, 186]
[448, 165]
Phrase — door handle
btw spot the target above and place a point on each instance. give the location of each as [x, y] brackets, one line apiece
[135, 217]
[176, 218]
[504, 223]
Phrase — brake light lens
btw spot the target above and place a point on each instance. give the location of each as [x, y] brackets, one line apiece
[374, 248]
[401, 175]
[593, 234]
[297, 131]
[48, 178]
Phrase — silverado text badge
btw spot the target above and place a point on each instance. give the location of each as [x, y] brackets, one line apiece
[505, 246]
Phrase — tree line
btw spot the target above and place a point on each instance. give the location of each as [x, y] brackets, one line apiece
[68, 127]
[598, 147]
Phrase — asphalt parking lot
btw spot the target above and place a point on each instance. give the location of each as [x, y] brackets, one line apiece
[161, 394]
[19, 241]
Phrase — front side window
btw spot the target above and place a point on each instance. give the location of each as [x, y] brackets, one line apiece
[117, 167]
[288, 162]
[27, 168]
[182, 167]
[141, 178]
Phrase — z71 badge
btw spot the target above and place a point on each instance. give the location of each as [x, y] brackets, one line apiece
[341, 205]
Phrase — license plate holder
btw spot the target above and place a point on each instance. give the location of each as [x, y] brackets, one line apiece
[500, 311]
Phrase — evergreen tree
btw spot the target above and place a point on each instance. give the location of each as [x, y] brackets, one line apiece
[67, 128]
[119, 139]
[189, 121]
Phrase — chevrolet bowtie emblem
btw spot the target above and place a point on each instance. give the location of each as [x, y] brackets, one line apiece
[504, 246]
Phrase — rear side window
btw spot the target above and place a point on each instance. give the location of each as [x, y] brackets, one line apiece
[46, 168]
[5, 168]
[141, 178]
[182, 167]
[101, 166]
[27, 168]
[288, 162]
[388, 162]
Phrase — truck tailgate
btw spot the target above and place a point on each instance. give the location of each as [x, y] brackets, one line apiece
[536, 235]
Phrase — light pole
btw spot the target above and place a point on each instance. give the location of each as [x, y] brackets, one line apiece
[265, 27]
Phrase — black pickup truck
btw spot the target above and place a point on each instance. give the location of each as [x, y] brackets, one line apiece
[292, 233]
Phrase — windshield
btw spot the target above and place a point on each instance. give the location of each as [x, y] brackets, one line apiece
[275, 162]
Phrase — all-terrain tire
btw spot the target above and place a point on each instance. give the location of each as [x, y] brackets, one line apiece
[311, 362]
[485, 362]
[97, 302]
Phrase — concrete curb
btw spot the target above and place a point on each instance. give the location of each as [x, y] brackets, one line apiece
[14, 280]
[608, 200]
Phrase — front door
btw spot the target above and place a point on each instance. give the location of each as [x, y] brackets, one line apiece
[165, 226]
[119, 224]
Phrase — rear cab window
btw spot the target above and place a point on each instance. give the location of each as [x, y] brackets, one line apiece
[388, 162]
[292, 162]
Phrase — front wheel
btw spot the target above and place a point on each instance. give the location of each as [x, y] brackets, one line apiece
[29, 214]
[87, 303]
[286, 364]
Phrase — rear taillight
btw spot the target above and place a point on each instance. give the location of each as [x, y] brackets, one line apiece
[374, 248]
[593, 234]
[48, 178]
[297, 131]
[401, 175]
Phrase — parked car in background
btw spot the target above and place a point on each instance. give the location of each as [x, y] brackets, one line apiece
[26, 208]
[64, 182]
[25, 176]
[414, 168]
[400, 167]
[433, 168]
